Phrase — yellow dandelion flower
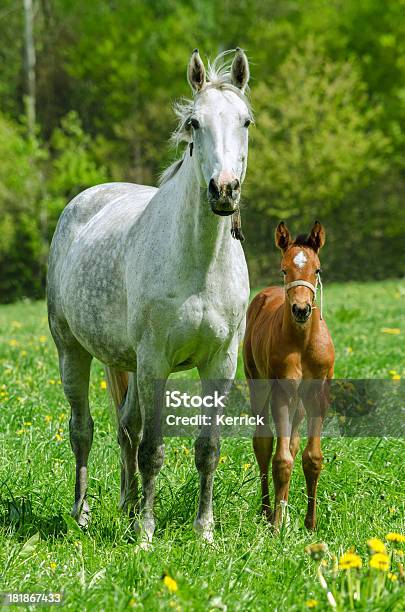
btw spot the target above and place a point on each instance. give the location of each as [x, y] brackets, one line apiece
[186, 450]
[376, 546]
[396, 377]
[380, 561]
[349, 561]
[20, 432]
[392, 372]
[223, 458]
[51, 381]
[246, 466]
[170, 583]
[58, 437]
[53, 565]
[62, 416]
[48, 418]
[395, 537]
[349, 350]
[23, 354]
[132, 602]
[42, 339]
[392, 577]
[103, 384]
[311, 603]
[391, 330]
[13, 342]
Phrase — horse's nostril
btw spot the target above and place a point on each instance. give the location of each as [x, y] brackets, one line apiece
[213, 189]
[301, 312]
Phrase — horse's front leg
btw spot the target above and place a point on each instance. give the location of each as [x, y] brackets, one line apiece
[315, 405]
[151, 378]
[216, 376]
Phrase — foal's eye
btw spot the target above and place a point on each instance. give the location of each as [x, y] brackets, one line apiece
[247, 123]
[194, 123]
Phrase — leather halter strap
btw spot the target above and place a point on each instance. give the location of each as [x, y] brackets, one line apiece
[301, 283]
[304, 283]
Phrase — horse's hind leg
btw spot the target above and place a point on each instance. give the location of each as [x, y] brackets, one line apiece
[74, 364]
[129, 434]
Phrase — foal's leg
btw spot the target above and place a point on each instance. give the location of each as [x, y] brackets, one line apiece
[312, 456]
[151, 385]
[129, 436]
[295, 436]
[263, 438]
[215, 376]
[283, 459]
[74, 364]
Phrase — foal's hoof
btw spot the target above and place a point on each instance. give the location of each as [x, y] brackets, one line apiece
[205, 530]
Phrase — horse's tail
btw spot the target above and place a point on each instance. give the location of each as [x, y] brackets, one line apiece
[117, 385]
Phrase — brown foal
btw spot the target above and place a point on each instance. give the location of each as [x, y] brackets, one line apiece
[288, 354]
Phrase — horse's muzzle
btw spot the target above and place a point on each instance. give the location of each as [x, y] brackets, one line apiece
[223, 197]
[301, 314]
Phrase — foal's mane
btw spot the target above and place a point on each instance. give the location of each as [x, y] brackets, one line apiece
[218, 77]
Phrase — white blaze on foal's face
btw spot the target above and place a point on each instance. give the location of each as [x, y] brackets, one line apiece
[300, 260]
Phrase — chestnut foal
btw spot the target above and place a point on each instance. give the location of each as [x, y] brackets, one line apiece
[286, 338]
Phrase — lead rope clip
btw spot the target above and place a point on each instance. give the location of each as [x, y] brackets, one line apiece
[236, 226]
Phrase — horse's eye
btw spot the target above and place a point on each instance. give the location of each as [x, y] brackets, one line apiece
[247, 123]
[194, 123]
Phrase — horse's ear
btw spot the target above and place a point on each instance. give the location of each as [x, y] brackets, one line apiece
[240, 70]
[196, 71]
[283, 238]
[316, 238]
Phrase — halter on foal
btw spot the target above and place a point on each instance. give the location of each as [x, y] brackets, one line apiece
[287, 338]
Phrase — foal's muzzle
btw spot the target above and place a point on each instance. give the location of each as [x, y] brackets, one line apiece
[301, 314]
[224, 196]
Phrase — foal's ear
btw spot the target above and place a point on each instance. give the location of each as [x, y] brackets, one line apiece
[316, 238]
[283, 238]
[196, 71]
[240, 70]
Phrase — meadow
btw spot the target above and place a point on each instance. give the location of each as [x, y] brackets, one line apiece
[248, 567]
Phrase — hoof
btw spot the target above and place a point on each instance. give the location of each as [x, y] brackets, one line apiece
[145, 528]
[205, 530]
[82, 515]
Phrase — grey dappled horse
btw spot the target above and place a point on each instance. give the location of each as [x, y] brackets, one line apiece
[150, 281]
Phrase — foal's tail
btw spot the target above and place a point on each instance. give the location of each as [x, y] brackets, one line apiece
[117, 384]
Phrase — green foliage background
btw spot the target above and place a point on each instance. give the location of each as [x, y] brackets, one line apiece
[328, 90]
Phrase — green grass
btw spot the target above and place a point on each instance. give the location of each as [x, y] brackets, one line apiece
[248, 568]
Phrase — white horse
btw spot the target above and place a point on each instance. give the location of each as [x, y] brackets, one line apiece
[150, 281]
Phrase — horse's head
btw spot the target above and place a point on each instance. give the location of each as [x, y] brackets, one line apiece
[301, 268]
[216, 126]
